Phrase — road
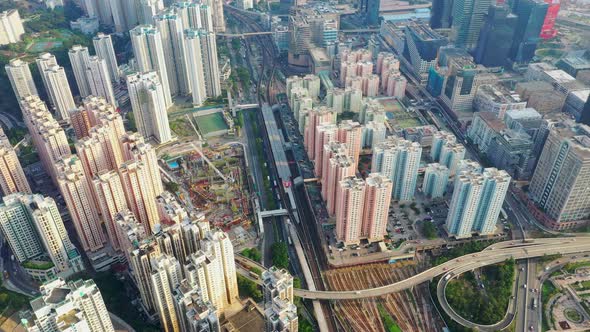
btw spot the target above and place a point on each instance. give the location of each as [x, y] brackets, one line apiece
[18, 279]
[494, 254]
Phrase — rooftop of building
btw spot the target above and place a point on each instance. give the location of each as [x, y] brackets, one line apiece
[250, 318]
[526, 113]
[424, 31]
[559, 76]
[498, 93]
[577, 59]
[492, 120]
[581, 94]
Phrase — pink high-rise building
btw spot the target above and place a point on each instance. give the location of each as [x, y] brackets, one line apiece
[351, 133]
[325, 133]
[376, 207]
[317, 116]
[137, 186]
[350, 203]
[75, 189]
[136, 149]
[371, 85]
[329, 151]
[396, 85]
[110, 200]
[340, 166]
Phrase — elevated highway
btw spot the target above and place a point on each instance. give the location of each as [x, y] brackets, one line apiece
[494, 254]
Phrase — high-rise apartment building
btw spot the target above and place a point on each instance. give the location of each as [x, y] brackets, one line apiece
[45, 61]
[210, 63]
[329, 151]
[103, 46]
[325, 134]
[139, 193]
[468, 18]
[450, 155]
[11, 27]
[281, 316]
[531, 15]
[136, 149]
[317, 116]
[219, 244]
[110, 200]
[59, 92]
[339, 167]
[217, 13]
[166, 275]
[33, 228]
[47, 135]
[148, 100]
[148, 9]
[99, 152]
[75, 188]
[399, 160]
[464, 204]
[194, 313]
[349, 208]
[493, 192]
[140, 266]
[149, 54]
[20, 78]
[12, 177]
[559, 184]
[351, 133]
[79, 60]
[170, 26]
[72, 306]
[196, 66]
[436, 178]
[495, 37]
[99, 79]
[277, 283]
[376, 207]
[194, 14]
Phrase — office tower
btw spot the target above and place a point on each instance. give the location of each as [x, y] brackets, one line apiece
[48, 137]
[585, 114]
[73, 306]
[139, 193]
[495, 37]
[195, 65]
[74, 187]
[322, 115]
[399, 160]
[169, 24]
[531, 14]
[103, 46]
[194, 313]
[148, 100]
[468, 16]
[150, 57]
[450, 155]
[217, 14]
[436, 178]
[421, 48]
[166, 275]
[339, 167]
[462, 79]
[219, 244]
[59, 91]
[20, 78]
[349, 207]
[376, 207]
[277, 283]
[136, 149]
[99, 80]
[351, 133]
[12, 177]
[210, 63]
[79, 60]
[11, 27]
[110, 200]
[464, 204]
[281, 316]
[371, 11]
[148, 9]
[548, 29]
[439, 139]
[51, 235]
[141, 269]
[493, 192]
[441, 15]
[559, 185]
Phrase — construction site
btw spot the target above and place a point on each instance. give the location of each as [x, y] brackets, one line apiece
[410, 310]
[216, 181]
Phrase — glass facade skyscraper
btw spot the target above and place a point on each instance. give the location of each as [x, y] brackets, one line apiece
[531, 15]
[495, 37]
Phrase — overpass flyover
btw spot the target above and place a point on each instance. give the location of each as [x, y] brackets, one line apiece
[493, 254]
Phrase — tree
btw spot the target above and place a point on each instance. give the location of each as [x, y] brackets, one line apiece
[248, 288]
[172, 186]
[252, 253]
[280, 255]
